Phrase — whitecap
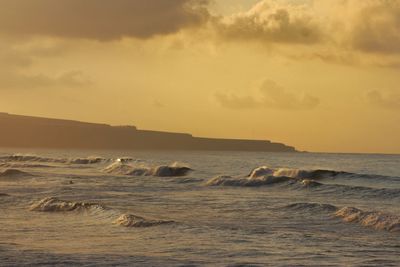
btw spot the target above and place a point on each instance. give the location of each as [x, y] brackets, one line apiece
[375, 219]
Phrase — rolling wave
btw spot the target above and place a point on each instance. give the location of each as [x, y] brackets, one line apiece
[374, 219]
[301, 184]
[129, 220]
[24, 165]
[173, 170]
[14, 173]
[34, 158]
[294, 173]
[25, 158]
[361, 191]
[52, 204]
[267, 176]
[302, 179]
[248, 181]
[88, 160]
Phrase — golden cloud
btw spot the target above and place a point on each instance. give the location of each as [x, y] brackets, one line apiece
[271, 95]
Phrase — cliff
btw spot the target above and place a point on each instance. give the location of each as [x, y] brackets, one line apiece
[34, 132]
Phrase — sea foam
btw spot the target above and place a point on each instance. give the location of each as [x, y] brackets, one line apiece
[53, 204]
[293, 173]
[375, 219]
[173, 170]
[267, 176]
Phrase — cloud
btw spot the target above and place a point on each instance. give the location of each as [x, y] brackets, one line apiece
[236, 102]
[375, 26]
[347, 32]
[271, 95]
[272, 21]
[15, 80]
[158, 104]
[385, 101]
[99, 19]
[16, 65]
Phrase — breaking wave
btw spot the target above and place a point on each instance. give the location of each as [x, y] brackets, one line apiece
[53, 204]
[34, 158]
[294, 173]
[301, 184]
[248, 181]
[129, 220]
[266, 176]
[173, 170]
[374, 219]
[88, 160]
[302, 179]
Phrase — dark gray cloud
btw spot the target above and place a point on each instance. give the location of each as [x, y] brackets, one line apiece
[99, 19]
[272, 96]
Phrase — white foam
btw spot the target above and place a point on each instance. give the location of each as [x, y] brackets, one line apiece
[172, 170]
[375, 219]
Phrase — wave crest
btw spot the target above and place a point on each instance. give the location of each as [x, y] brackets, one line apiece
[173, 170]
[34, 158]
[375, 219]
[88, 160]
[248, 181]
[129, 220]
[293, 173]
[52, 204]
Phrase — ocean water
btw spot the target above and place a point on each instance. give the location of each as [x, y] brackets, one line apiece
[120, 208]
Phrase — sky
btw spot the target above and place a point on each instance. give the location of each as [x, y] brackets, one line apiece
[322, 75]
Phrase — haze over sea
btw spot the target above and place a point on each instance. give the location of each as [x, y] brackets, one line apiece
[120, 208]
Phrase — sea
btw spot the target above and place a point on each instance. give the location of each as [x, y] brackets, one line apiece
[175, 208]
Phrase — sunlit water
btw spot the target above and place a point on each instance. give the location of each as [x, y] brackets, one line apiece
[280, 223]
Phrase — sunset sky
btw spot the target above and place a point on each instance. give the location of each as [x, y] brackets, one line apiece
[320, 75]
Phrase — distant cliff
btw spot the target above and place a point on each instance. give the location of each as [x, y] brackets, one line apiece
[34, 132]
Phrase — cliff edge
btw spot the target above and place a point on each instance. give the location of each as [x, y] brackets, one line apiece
[34, 132]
